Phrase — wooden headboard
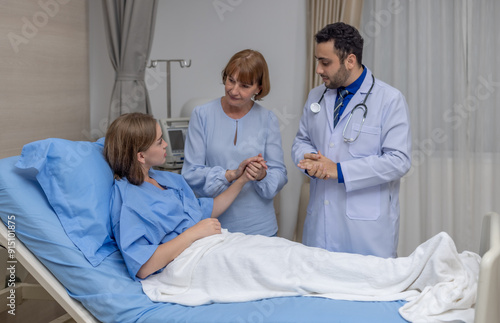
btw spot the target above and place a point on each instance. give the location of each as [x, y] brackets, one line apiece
[44, 72]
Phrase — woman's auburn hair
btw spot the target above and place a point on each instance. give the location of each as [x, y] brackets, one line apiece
[251, 68]
[128, 135]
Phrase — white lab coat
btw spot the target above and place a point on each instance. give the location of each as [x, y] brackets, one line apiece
[360, 215]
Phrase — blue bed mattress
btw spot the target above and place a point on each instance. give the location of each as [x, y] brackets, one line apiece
[109, 293]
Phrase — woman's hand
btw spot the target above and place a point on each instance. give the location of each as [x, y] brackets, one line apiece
[255, 171]
[204, 228]
[223, 200]
[169, 250]
[234, 174]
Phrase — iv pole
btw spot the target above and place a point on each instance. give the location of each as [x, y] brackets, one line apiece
[183, 63]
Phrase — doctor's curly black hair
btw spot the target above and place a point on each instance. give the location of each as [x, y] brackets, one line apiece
[346, 40]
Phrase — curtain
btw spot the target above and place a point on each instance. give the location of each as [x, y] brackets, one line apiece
[440, 54]
[129, 28]
[322, 13]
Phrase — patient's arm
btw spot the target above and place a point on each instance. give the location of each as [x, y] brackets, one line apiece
[168, 251]
[224, 199]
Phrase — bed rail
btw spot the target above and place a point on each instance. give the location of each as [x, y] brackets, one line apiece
[488, 292]
[44, 277]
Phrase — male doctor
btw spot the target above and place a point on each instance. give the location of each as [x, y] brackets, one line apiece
[355, 165]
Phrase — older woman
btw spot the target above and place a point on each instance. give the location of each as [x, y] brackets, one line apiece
[224, 133]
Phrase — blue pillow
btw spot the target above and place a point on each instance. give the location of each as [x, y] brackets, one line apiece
[77, 181]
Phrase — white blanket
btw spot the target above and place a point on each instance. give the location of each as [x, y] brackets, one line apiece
[438, 283]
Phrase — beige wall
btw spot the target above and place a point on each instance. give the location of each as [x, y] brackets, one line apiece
[44, 74]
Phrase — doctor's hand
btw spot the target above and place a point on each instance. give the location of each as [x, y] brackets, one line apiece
[318, 166]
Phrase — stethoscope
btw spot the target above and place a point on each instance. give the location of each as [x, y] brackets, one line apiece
[316, 107]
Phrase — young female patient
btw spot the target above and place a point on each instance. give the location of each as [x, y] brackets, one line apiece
[155, 214]
[158, 221]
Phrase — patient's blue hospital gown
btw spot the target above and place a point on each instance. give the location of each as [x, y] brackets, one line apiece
[143, 216]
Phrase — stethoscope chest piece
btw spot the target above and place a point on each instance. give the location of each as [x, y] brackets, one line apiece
[315, 107]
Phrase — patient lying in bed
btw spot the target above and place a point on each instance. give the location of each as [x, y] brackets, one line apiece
[172, 241]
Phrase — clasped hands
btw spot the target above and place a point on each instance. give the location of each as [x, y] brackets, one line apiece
[318, 166]
[255, 168]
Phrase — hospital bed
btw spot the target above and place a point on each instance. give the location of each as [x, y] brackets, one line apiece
[39, 238]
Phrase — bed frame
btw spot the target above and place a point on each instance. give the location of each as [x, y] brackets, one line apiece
[488, 293]
[48, 287]
[36, 229]
[487, 309]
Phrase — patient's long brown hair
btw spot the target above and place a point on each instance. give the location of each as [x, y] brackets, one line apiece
[126, 136]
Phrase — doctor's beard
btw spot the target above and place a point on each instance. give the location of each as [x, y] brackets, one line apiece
[338, 79]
